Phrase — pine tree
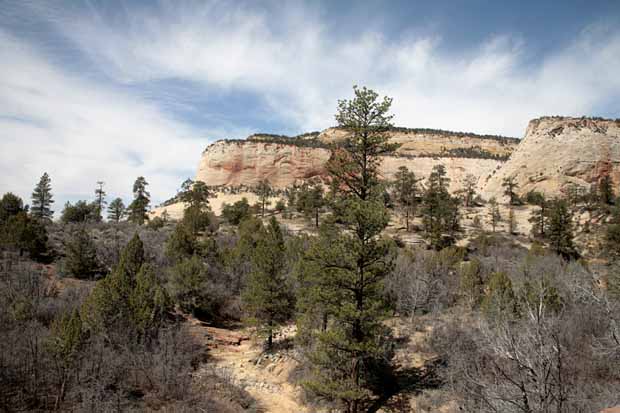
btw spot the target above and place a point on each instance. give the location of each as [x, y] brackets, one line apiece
[510, 186]
[494, 214]
[472, 285]
[406, 192]
[439, 209]
[116, 210]
[264, 192]
[605, 190]
[469, 189]
[266, 297]
[539, 217]
[500, 300]
[81, 260]
[42, 199]
[10, 205]
[139, 205]
[100, 199]
[560, 229]
[310, 200]
[353, 265]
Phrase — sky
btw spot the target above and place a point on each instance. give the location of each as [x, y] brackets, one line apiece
[105, 90]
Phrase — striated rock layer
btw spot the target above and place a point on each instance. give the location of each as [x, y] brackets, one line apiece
[233, 163]
[560, 151]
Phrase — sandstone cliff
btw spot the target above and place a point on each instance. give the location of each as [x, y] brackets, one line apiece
[558, 151]
[283, 161]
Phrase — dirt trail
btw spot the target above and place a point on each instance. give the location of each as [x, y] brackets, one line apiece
[234, 357]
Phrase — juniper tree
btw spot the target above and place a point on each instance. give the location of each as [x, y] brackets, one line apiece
[352, 263]
[116, 210]
[469, 189]
[100, 199]
[406, 191]
[266, 298]
[494, 214]
[10, 205]
[42, 199]
[139, 205]
[510, 186]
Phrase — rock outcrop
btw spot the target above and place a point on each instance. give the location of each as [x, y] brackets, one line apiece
[284, 161]
[559, 151]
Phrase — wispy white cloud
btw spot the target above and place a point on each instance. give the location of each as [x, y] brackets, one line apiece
[81, 129]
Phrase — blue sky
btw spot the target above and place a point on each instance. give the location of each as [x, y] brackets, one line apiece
[109, 90]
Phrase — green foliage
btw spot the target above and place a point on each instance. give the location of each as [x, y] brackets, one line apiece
[116, 210]
[25, 234]
[139, 206]
[472, 284]
[195, 194]
[188, 286]
[42, 199]
[494, 214]
[156, 224]
[264, 191]
[80, 212]
[351, 264]
[81, 255]
[236, 212]
[560, 229]
[280, 205]
[469, 190]
[440, 213]
[605, 190]
[10, 205]
[539, 217]
[500, 300]
[266, 298]
[100, 199]
[510, 187]
[310, 200]
[66, 338]
[130, 299]
[196, 219]
[181, 244]
[405, 186]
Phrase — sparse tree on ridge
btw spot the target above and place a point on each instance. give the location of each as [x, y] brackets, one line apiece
[469, 189]
[510, 186]
[264, 192]
[139, 206]
[42, 199]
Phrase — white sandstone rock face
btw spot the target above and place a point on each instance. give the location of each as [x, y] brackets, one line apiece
[233, 163]
[559, 151]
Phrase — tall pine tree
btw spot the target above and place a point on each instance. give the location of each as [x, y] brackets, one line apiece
[42, 199]
[116, 210]
[100, 199]
[352, 263]
[406, 192]
[139, 205]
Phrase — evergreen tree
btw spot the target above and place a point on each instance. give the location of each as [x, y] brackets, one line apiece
[236, 212]
[605, 190]
[10, 205]
[469, 189]
[494, 214]
[42, 199]
[560, 229]
[189, 287]
[116, 210]
[81, 260]
[510, 186]
[406, 192]
[500, 301]
[539, 217]
[25, 234]
[264, 191]
[80, 212]
[100, 199]
[350, 350]
[139, 205]
[439, 208]
[266, 297]
[472, 284]
[195, 194]
[310, 200]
